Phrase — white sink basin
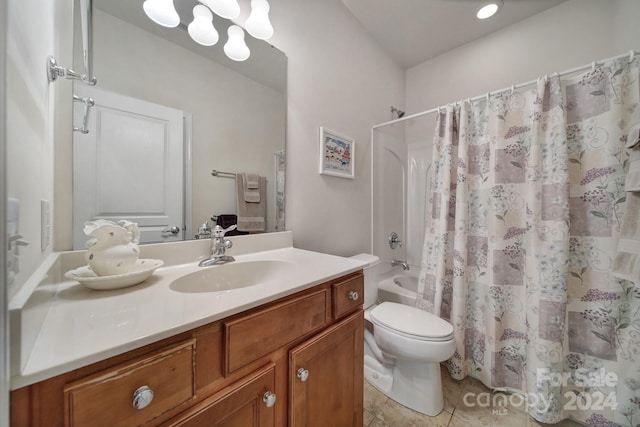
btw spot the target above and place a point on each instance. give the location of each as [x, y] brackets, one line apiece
[234, 275]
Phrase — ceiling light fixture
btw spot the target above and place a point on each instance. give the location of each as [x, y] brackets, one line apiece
[162, 12]
[257, 23]
[236, 48]
[487, 10]
[228, 9]
[201, 29]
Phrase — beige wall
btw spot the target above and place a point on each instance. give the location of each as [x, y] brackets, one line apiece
[340, 79]
[35, 29]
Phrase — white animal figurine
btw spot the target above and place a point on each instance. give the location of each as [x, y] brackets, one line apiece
[113, 248]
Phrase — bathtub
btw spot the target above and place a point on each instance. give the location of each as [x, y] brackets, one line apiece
[399, 286]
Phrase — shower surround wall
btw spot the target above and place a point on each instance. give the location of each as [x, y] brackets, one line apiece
[401, 155]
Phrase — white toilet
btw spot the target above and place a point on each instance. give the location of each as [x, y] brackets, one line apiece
[404, 347]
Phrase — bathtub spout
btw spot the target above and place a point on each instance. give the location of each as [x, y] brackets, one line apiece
[404, 264]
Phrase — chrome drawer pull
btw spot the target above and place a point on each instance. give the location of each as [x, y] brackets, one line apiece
[269, 399]
[353, 295]
[142, 397]
[303, 374]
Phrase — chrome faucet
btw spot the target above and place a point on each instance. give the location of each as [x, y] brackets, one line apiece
[395, 262]
[204, 232]
[218, 246]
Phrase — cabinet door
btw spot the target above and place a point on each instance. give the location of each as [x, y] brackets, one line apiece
[326, 377]
[239, 405]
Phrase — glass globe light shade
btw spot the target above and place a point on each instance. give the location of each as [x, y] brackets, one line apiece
[201, 29]
[236, 48]
[162, 12]
[258, 24]
[229, 9]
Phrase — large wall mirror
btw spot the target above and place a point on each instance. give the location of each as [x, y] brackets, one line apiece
[225, 115]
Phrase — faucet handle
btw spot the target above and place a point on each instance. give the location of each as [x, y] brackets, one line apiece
[220, 232]
[394, 240]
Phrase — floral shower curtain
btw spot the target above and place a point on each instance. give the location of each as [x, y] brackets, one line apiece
[526, 200]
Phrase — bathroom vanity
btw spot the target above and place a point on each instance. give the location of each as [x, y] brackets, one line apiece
[295, 358]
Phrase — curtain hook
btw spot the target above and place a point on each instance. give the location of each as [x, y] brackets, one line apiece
[513, 89]
[488, 95]
[546, 78]
[593, 66]
[632, 55]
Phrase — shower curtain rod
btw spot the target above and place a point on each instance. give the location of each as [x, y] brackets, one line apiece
[631, 54]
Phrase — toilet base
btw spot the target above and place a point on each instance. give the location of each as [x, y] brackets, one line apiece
[418, 386]
[378, 375]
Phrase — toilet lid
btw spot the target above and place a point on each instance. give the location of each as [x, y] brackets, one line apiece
[412, 322]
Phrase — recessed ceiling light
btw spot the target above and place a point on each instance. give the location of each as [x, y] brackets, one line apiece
[487, 10]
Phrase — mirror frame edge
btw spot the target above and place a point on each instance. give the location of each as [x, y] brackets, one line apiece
[4, 302]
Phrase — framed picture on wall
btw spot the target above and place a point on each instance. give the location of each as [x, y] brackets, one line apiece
[337, 154]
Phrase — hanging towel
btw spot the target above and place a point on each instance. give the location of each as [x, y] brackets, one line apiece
[632, 182]
[251, 215]
[633, 139]
[626, 264]
[251, 187]
[253, 180]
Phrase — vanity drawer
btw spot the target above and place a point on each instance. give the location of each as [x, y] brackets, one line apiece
[250, 337]
[106, 398]
[347, 295]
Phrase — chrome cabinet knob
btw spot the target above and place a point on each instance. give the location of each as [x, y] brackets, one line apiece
[353, 295]
[269, 399]
[142, 397]
[303, 374]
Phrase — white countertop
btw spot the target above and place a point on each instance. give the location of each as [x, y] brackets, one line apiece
[83, 326]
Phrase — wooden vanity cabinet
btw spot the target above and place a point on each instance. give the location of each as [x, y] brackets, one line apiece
[224, 374]
[326, 377]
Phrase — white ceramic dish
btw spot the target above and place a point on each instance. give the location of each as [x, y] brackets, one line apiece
[141, 272]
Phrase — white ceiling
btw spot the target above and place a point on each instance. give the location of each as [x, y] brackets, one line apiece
[413, 31]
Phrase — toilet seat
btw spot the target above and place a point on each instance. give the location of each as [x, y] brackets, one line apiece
[411, 322]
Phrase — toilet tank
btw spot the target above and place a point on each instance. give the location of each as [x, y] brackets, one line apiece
[370, 278]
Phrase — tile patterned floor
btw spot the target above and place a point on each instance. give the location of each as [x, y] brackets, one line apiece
[380, 411]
